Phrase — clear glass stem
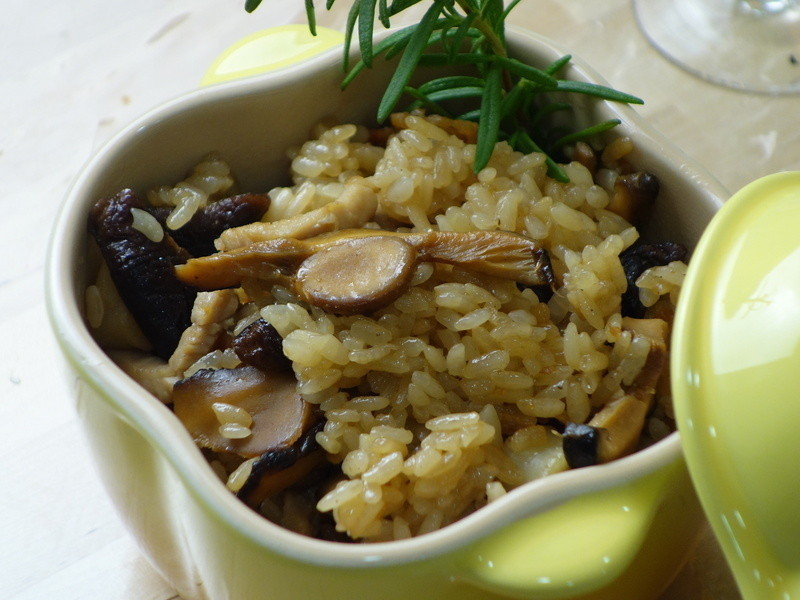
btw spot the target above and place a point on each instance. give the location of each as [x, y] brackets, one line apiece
[751, 45]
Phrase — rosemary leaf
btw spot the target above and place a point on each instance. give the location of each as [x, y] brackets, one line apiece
[457, 93]
[311, 17]
[526, 144]
[489, 124]
[408, 62]
[397, 48]
[391, 45]
[533, 74]
[366, 22]
[558, 64]
[383, 13]
[547, 110]
[426, 101]
[472, 115]
[399, 6]
[350, 25]
[513, 100]
[509, 8]
[251, 5]
[439, 59]
[599, 91]
[443, 83]
[583, 134]
[461, 34]
[492, 11]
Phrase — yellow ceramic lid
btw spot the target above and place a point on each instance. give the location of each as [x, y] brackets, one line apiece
[736, 382]
[270, 49]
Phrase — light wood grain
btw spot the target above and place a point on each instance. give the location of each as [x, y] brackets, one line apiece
[74, 73]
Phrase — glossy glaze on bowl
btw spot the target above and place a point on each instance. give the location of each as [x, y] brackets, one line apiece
[619, 530]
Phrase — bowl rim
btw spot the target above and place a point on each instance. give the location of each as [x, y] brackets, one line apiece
[151, 418]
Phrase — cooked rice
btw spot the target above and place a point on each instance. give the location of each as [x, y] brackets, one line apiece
[425, 449]
[414, 394]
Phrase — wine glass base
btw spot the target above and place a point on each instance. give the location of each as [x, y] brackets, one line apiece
[743, 44]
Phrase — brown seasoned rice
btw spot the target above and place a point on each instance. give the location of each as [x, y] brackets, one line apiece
[414, 395]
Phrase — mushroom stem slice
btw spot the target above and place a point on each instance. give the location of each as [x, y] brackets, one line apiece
[498, 253]
[265, 260]
[361, 270]
[357, 275]
[620, 424]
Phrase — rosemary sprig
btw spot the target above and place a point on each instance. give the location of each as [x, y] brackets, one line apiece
[512, 96]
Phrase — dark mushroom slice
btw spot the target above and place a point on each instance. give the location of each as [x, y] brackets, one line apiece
[580, 442]
[633, 196]
[261, 346]
[207, 224]
[279, 414]
[364, 269]
[143, 271]
[635, 261]
[280, 468]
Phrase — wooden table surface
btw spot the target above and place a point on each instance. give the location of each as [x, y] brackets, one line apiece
[73, 73]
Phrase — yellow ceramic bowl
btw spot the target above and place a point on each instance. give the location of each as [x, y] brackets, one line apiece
[617, 531]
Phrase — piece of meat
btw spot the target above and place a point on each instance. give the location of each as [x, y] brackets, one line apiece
[354, 208]
[209, 311]
[152, 373]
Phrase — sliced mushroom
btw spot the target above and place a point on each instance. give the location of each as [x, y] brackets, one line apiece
[210, 221]
[635, 261]
[357, 275]
[261, 346]
[619, 423]
[654, 376]
[354, 208]
[279, 414]
[278, 469]
[633, 195]
[619, 426]
[143, 271]
[581, 445]
[352, 270]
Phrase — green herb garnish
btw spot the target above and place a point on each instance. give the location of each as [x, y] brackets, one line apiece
[512, 96]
